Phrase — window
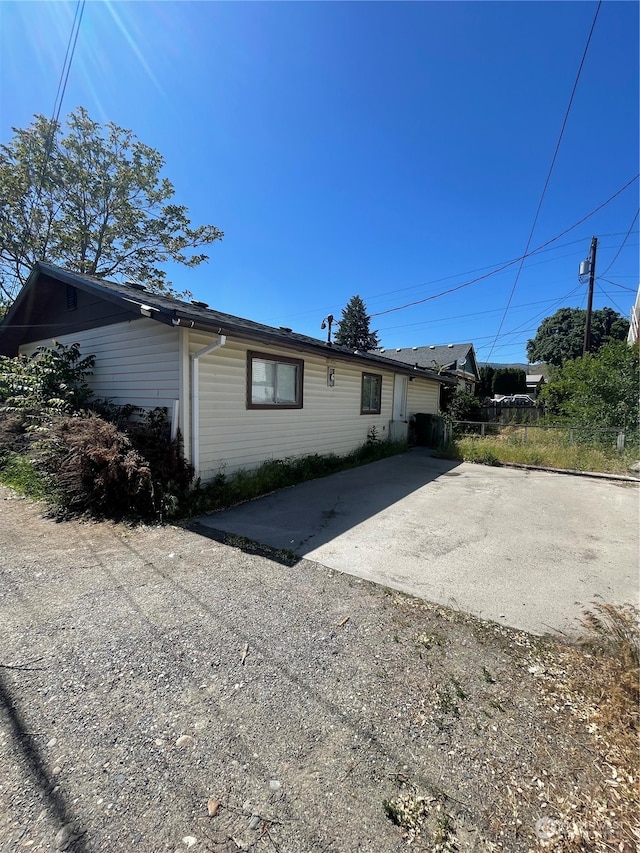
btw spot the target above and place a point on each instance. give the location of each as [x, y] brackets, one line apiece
[273, 382]
[371, 394]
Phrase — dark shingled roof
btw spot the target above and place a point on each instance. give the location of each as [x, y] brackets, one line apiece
[176, 312]
[430, 357]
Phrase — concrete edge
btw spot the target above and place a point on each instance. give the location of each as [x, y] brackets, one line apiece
[596, 475]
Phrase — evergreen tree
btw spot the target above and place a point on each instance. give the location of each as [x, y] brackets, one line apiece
[354, 329]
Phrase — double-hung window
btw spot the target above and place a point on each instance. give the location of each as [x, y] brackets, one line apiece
[371, 394]
[274, 381]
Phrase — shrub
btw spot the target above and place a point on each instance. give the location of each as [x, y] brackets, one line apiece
[53, 380]
[96, 469]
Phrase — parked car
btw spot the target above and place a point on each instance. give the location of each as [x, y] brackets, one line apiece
[517, 400]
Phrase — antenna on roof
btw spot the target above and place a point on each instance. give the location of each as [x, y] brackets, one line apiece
[328, 321]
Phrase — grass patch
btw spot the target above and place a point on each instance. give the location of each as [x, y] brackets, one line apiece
[19, 473]
[244, 485]
[550, 448]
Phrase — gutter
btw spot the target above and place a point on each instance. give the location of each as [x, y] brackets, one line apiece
[195, 399]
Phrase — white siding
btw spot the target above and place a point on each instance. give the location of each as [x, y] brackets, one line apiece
[232, 436]
[136, 361]
[423, 396]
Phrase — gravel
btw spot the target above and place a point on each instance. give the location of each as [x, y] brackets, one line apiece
[161, 690]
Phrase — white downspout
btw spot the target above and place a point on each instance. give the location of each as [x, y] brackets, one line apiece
[195, 400]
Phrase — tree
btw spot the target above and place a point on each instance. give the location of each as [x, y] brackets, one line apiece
[459, 404]
[599, 389]
[354, 327]
[484, 388]
[509, 380]
[92, 201]
[560, 337]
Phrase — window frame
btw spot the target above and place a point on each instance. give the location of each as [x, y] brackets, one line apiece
[377, 411]
[274, 359]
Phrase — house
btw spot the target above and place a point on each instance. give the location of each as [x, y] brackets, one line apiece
[535, 381]
[634, 320]
[457, 360]
[239, 392]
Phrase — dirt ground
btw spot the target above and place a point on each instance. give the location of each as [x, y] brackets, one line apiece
[161, 690]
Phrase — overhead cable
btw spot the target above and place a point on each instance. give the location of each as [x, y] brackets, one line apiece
[626, 237]
[553, 162]
[510, 263]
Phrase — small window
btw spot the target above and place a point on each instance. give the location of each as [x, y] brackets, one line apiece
[371, 394]
[273, 382]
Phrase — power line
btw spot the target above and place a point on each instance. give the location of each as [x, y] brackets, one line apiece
[55, 115]
[613, 302]
[553, 162]
[615, 284]
[515, 261]
[626, 236]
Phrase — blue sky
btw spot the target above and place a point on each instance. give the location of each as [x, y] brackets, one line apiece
[393, 150]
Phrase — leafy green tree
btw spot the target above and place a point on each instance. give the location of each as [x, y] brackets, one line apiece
[599, 389]
[560, 337]
[458, 404]
[354, 331]
[92, 201]
[509, 380]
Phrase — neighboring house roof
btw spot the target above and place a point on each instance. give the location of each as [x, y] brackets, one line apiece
[447, 357]
[175, 312]
[535, 378]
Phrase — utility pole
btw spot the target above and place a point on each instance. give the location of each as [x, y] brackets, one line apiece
[592, 276]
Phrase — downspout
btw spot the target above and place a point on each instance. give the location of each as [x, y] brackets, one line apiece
[195, 399]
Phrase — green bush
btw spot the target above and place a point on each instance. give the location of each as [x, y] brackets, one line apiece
[51, 381]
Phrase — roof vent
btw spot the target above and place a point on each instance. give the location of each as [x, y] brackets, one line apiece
[286, 330]
[432, 346]
[399, 349]
[381, 349]
[414, 348]
[199, 304]
[450, 346]
[136, 285]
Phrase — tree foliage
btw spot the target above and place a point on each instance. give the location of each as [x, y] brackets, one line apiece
[458, 404]
[484, 388]
[354, 331]
[501, 380]
[560, 337]
[509, 380]
[599, 389]
[52, 380]
[92, 201]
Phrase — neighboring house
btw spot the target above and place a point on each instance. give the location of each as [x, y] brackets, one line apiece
[634, 320]
[535, 381]
[239, 392]
[458, 360]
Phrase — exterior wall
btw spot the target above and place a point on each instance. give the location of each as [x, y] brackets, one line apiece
[634, 321]
[136, 361]
[232, 436]
[423, 395]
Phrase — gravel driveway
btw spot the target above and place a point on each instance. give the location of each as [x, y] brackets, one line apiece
[162, 691]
